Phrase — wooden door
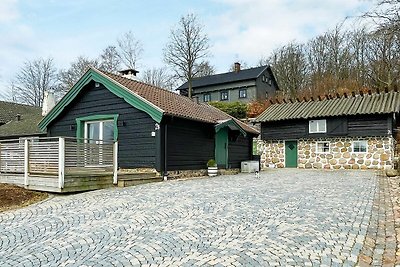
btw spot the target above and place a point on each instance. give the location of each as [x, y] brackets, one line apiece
[291, 154]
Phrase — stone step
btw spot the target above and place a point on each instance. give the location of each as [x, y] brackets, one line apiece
[136, 176]
[132, 182]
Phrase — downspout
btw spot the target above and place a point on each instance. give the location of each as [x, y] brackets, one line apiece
[165, 174]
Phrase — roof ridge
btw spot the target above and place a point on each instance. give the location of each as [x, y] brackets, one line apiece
[329, 96]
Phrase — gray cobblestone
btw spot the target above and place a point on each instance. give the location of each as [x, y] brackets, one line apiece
[286, 217]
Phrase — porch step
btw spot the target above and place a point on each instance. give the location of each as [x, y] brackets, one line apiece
[131, 179]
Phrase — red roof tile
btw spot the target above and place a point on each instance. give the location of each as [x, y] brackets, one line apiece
[173, 104]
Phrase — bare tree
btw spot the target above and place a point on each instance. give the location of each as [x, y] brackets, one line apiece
[386, 14]
[204, 69]
[290, 67]
[130, 50]
[32, 80]
[186, 46]
[158, 77]
[110, 59]
[77, 68]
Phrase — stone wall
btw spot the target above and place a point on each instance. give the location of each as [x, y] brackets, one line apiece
[379, 155]
[272, 153]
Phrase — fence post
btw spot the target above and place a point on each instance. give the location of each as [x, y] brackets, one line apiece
[115, 162]
[26, 162]
[61, 161]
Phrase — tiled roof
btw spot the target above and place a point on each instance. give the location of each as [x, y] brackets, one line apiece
[176, 105]
[228, 77]
[361, 104]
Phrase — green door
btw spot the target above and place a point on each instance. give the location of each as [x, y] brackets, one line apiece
[221, 147]
[291, 154]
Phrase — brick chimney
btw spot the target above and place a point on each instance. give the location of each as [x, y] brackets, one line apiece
[237, 67]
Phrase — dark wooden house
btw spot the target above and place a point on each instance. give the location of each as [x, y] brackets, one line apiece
[333, 132]
[243, 85]
[155, 128]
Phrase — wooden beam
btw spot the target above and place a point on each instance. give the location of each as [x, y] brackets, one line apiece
[61, 161]
[26, 162]
[115, 162]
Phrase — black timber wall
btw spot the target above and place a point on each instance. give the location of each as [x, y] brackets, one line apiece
[137, 148]
[190, 144]
[239, 149]
[366, 125]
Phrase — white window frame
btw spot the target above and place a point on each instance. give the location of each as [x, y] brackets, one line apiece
[227, 95]
[101, 129]
[322, 130]
[245, 93]
[359, 141]
[322, 142]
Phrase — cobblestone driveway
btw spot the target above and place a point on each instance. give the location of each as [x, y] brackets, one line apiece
[286, 217]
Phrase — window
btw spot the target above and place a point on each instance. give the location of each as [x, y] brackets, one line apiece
[360, 146]
[317, 126]
[224, 95]
[206, 97]
[322, 147]
[97, 131]
[242, 93]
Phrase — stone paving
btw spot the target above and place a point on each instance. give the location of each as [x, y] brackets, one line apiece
[286, 217]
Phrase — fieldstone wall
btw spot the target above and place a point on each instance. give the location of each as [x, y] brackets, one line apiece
[272, 154]
[379, 155]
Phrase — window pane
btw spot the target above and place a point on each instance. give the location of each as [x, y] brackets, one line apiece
[322, 126]
[323, 147]
[93, 131]
[108, 131]
[242, 93]
[313, 127]
[360, 146]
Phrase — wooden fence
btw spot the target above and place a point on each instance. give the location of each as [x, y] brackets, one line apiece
[38, 159]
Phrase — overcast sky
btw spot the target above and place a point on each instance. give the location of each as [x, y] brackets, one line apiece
[238, 29]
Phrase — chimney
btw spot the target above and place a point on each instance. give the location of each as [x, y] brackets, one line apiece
[18, 117]
[49, 101]
[195, 99]
[129, 74]
[237, 67]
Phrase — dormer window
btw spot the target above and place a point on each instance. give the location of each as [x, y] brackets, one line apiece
[317, 126]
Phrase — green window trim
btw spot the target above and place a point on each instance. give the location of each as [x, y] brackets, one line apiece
[131, 98]
[80, 123]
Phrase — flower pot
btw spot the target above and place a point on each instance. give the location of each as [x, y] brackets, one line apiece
[212, 171]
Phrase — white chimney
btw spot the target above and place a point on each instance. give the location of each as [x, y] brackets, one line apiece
[49, 101]
[129, 73]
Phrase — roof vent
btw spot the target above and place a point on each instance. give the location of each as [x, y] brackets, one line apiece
[129, 73]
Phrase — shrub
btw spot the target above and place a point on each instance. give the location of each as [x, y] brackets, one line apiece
[235, 109]
[211, 163]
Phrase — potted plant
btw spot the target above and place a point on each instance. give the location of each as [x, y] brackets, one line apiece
[212, 167]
